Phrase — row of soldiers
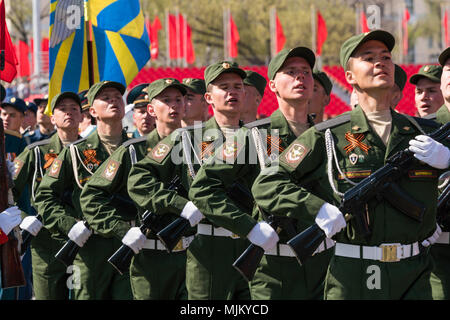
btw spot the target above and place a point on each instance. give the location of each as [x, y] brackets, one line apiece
[285, 162]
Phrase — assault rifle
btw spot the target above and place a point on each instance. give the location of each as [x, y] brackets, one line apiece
[443, 208]
[381, 185]
[121, 259]
[11, 267]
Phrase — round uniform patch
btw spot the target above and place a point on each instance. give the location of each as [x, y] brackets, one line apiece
[295, 154]
[230, 149]
[160, 151]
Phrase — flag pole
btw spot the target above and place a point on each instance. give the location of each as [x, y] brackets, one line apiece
[88, 30]
[36, 43]
[400, 32]
[313, 28]
[185, 40]
[225, 34]
[272, 23]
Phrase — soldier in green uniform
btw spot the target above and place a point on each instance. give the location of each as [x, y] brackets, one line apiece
[440, 277]
[92, 275]
[172, 157]
[49, 275]
[45, 129]
[143, 121]
[279, 276]
[427, 94]
[254, 85]
[321, 95]
[196, 105]
[88, 124]
[154, 273]
[361, 141]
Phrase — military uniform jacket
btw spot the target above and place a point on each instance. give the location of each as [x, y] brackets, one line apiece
[83, 157]
[106, 216]
[149, 178]
[208, 191]
[442, 115]
[360, 152]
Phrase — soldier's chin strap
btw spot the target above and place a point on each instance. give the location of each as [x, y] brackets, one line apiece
[331, 151]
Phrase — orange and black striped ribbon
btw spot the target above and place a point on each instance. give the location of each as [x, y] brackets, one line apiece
[355, 141]
[207, 147]
[90, 157]
[273, 144]
[49, 157]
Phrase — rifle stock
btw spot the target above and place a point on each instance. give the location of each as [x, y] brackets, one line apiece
[379, 183]
[12, 274]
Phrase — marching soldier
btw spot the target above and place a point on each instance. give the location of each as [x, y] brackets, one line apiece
[88, 124]
[69, 172]
[143, 121]
[49, 275]
[205, 279]
[279, 276]
[154, 273]
[400, 78]
[196, 105]
[321, 95]
[254, 85]
[427, 94]
[440, 277]
[393, 263]
[45, 129]
[29, 119]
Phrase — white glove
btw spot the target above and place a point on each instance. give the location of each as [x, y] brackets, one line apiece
[134, 239]
[430, 151]
[432, 240]
[263, 235]
[31, 224]
[330, 219]
[79, 233]
[10, 218]
[11, 167]
[191, 213]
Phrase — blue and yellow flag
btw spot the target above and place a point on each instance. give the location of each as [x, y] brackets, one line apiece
[121, 45]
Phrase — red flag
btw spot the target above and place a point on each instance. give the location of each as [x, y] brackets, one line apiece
[173, 41]
[363, 22]
[6, 47]
[234, 39]
[24, 62]
[405, 31]
[445, 27]
[190, 53]
[322, 33]
[152, 30]
[280, 37]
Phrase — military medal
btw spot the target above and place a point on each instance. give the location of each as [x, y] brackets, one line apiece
[353, 158]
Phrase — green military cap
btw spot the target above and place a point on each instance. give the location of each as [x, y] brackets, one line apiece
[277, 62]
[84, 100]
[400, 77]
[216, 69]
[2, 93]
[196, 85]
[324, 80]
[351, 44]
[138, 95]
[444, 56]
[158, 86]
[16, 103]
[256, 80]
[97, 87]
[62, 95]
[428, 71]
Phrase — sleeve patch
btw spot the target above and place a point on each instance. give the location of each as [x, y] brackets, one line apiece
[111, 169]
[160, 152]
[295, 154]
[18, 164]
[55, 168]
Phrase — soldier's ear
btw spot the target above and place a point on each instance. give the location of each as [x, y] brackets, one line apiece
[151, 110]
[350, 77]
[272, 86]
[93, 112]
[208, 97]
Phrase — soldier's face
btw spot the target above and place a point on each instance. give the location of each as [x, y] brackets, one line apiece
[445, 81]
[428, 97]
[41, 117]
[108, 105]
[168, 107]
[29, 119]
[294, 80]
[319, 99]
[371, 67]
[143, 121]
[226, 94]
[252, 99]
[195, 106]
[12, 118]
[67, 114]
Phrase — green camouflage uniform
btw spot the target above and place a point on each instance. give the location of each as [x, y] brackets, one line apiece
[49, 275]
[151, 176]
[278, 276]
[304, 162]
[98, 279]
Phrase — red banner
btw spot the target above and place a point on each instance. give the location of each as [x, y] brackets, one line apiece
[322, 33]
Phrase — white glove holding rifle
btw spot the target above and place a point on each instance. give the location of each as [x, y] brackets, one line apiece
[79, 233]
[431, 152]
[134, 239]
[10, 218]
[31, 224]
[263, 235]
[330, 219]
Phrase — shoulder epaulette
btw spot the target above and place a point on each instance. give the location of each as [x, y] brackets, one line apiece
[430, 116]
[428, 122]
[134, 140]
[13, 133]
[79, 140]
[333, 122]
[38, 143]
[258, 123]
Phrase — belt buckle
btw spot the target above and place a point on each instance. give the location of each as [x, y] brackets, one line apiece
[234, 236]
[389, 252]
[178, 246]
